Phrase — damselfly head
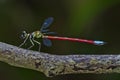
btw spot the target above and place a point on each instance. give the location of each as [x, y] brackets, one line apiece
[23, 35]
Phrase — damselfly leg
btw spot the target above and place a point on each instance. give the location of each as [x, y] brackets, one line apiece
[30, 38]
[37, 43]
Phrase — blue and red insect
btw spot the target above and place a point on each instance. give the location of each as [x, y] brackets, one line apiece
[43, 33]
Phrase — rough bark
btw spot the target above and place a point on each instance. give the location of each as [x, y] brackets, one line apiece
[52, 65]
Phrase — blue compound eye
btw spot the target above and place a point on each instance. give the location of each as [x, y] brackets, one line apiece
[23, 35]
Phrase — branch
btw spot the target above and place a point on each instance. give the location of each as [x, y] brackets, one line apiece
[52, 65]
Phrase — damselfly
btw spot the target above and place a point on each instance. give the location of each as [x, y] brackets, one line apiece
[43, 33]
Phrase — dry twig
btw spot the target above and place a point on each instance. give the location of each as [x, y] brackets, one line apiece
[52, 65]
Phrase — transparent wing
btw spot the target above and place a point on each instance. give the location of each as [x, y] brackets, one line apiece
[47, 42]
[50, 33]
[46, 23]
[44, 31]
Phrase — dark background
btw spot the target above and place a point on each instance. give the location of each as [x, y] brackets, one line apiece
[87, 19]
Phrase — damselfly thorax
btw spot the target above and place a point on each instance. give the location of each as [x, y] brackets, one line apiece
[37, 34]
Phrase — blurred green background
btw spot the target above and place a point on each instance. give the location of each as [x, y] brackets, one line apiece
[87, 19]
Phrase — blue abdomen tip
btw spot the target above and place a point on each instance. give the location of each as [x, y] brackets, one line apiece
[99, 42]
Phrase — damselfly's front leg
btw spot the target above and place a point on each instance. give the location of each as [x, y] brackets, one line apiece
[31, 42]
[24, 41]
